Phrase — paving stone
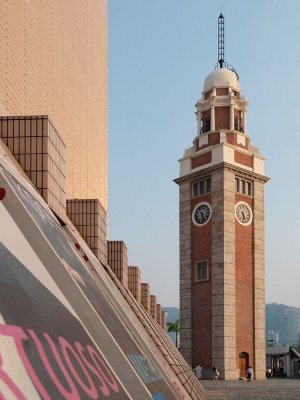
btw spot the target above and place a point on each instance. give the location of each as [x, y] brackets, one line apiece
[273, 389]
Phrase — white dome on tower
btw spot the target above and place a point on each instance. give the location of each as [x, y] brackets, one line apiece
[221, 77]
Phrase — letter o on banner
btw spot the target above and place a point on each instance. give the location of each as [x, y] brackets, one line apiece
[89, 390]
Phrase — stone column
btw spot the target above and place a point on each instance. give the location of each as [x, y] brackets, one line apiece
[223, 274]
[212, 118]
[245, 121]
[185, 272]
[288, 366]
[199, 121]
[259, 281]
[231, 117]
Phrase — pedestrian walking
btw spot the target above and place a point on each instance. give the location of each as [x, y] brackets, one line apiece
[269, 373]
[198, 371]
[216, 375]
[249, 373]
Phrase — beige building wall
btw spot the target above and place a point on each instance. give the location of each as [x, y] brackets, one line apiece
[134, 282]
[53, 61]
[117, 259]
[89, 218]
[158, 313]
[39, 150]
[153, 309]
[145, 296]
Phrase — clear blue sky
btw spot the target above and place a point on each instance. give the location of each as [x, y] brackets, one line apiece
[160, 52]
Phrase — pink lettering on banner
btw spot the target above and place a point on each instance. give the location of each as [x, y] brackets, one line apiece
[18, 334]
[69, 395]
[10, 384]
[97, 366]
[107, 376]
[104, 388]
[66, 347]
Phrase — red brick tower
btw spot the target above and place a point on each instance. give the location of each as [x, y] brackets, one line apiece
[221, 184]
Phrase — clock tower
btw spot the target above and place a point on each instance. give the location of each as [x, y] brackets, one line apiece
[221, 196]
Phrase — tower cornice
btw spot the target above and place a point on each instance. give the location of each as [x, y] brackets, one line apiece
[223, 165]
[225, 100]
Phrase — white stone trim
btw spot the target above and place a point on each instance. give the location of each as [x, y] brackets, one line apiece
[221, 152]
[231, 117]
[241, 139]
[203, 139]
[212, 118]
[258, 165]
[185, 166]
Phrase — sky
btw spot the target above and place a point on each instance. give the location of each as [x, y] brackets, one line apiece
[160, 52]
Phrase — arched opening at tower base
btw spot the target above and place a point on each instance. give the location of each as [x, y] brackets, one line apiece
[243, 363]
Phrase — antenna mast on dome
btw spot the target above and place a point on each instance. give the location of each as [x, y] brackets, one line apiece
[221, 47]
[221, 41]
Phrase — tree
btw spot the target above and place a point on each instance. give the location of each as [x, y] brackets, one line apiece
[174, 327]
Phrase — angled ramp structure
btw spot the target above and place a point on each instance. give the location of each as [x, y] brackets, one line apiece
[68, 328]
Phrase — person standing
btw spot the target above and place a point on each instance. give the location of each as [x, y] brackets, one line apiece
[216, 375]
[249, 374]
[198, 372]
[269, 373]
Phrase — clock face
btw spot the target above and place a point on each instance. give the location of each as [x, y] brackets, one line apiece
[243, 213]
[201, 214]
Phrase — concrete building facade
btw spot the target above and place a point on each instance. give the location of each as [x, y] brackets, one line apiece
[221, 186]
[53, 61]
[117, 259]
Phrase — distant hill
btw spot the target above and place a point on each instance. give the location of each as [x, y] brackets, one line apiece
[281, 323]
[275, 316]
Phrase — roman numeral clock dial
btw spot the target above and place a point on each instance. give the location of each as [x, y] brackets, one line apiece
[243, 213]
[201, 214]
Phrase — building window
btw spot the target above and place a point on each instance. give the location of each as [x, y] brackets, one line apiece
[201, 187]
[202, 271]
[207, 125]
[249, 188]
[236, 123]
[208, 185]
[237, 185]
[243, 186]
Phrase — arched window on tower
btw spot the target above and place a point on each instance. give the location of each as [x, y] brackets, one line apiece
[207, 124]
[236, 123]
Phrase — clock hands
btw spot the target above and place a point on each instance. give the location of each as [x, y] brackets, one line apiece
[243, 213]
[244, 218]
[201, 214]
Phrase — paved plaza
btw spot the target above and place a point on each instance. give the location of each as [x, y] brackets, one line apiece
[273, 389]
